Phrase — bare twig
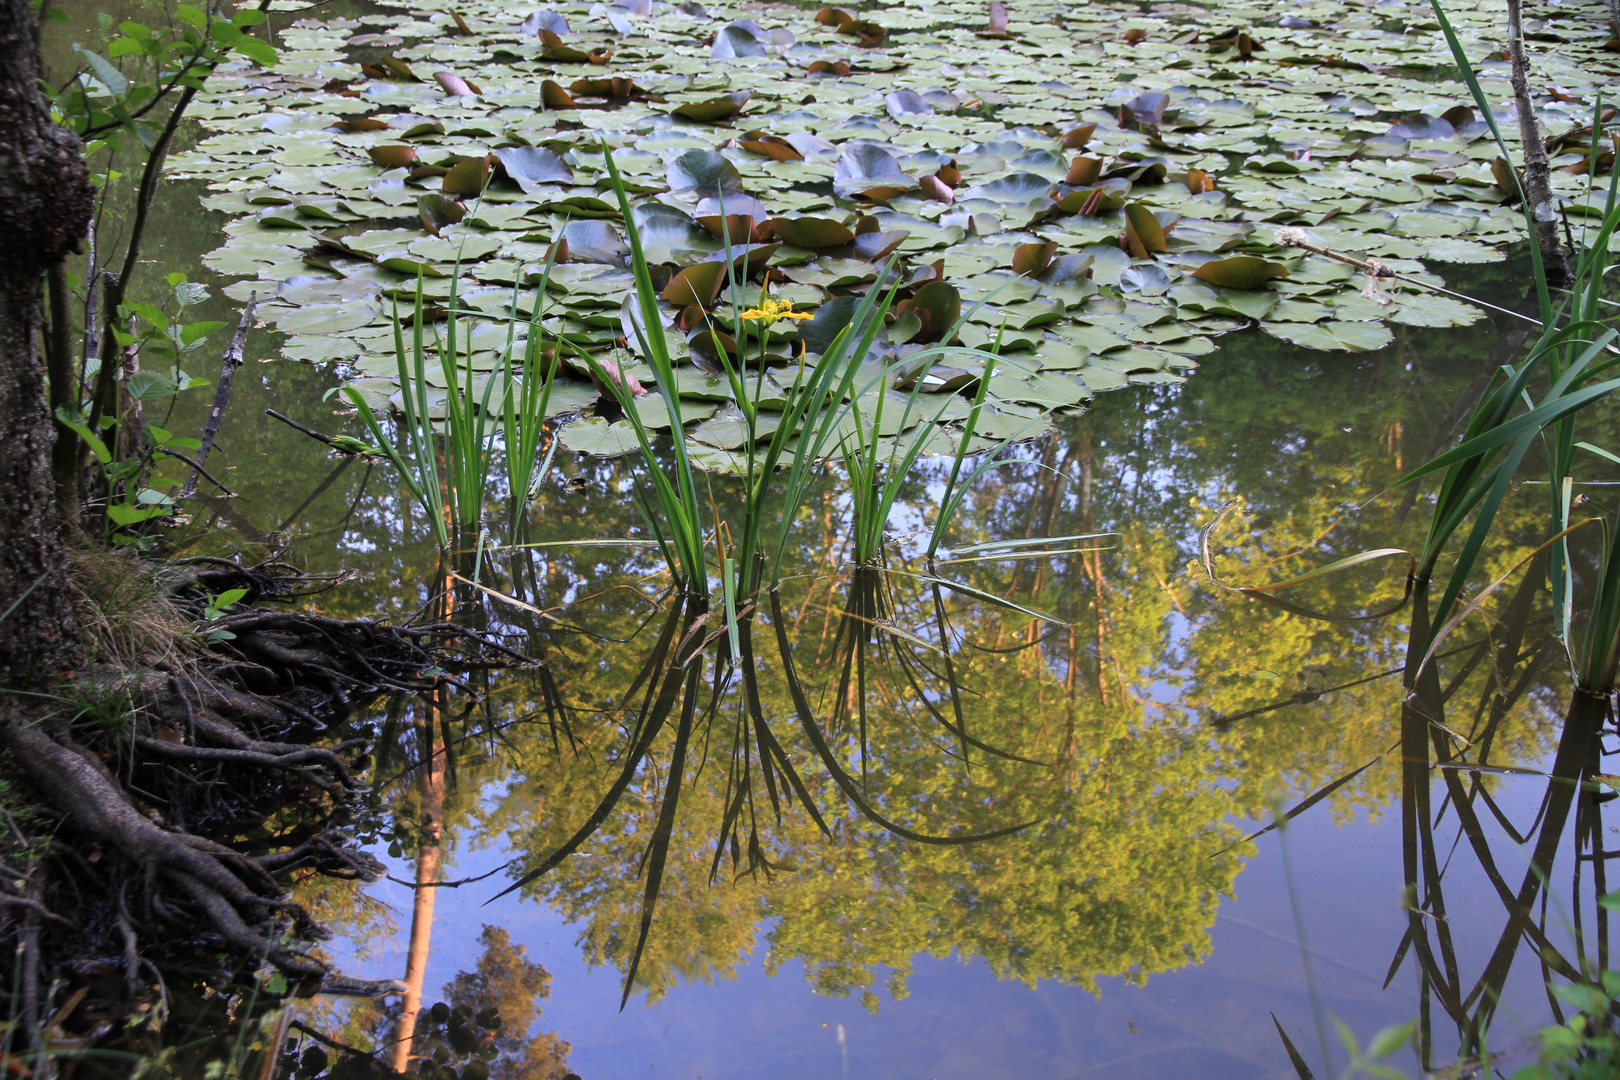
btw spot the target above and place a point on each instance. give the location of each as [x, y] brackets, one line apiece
[1374, 268]
[222, 397]
[196, 467]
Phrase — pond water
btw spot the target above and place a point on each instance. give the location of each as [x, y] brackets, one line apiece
[1113, 937]
[1080, 664]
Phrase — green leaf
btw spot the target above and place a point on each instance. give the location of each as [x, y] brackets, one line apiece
[192, 333]
[228, 598]
[73, 420]
[148, 385]
[125, 514]
[187, 293]
[258, 51]
[595, 435]
[1333, 336]
[1240, 272]
[1391, 1039]
[149, 313]
[105, 73]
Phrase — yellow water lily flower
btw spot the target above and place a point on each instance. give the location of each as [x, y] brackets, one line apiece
[770, 311]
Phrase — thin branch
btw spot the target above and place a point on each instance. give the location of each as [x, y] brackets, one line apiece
[222, 397]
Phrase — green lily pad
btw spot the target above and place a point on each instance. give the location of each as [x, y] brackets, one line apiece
[1333, 336]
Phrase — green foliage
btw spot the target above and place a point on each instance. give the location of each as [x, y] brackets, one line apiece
[116, 96]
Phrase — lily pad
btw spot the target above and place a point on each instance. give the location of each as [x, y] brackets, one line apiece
[1240, 272]
[532, 167]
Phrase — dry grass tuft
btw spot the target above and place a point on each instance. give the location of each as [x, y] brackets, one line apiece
[125, 615]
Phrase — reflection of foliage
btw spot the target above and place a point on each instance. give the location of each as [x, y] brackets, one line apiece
[502, 995]
[480, 1031]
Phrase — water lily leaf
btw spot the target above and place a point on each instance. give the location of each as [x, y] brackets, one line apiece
[468, 176]
[1419, 126]
[830, 318]
[704, 171]
[907, 103]
[559, 52]
[392, 157]
[303, 289]
[1033, 259]
[1078, 136]
[877, 246]
[615, 87]
[1147, 280]
[868, 33]
[553, 96]
[734, 40]
[455, 85]
[771, 146]
[594, 435]
[654, 413]
[865, 168]
[398, 69]
[436, 212]
[808, 232]
[938, 304]
[728, 428]
[1430, 309]
[1143, 234]
[1333, 336]
[325, 319]
[697, 284]
[1240, 272]
[1084, 171]
[532, 167]
[543, 20]
[714, 110]
[424, 130]
[668, 235]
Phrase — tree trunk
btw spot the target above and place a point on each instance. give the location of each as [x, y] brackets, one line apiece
[428, 861]
[1537, 173]
[45, 207]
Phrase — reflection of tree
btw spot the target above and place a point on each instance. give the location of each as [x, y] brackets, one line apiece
[1145, 671]
[511, 985]
[480, 1029]
[1114, 695]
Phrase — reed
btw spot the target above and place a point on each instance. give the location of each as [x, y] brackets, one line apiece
[448, 463]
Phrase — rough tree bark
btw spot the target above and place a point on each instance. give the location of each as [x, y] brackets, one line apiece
[1537, 172]
[45, 207]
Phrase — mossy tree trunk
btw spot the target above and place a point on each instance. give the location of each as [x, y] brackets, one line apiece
[45, 207]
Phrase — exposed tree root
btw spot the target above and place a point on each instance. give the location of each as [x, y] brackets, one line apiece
[122, 776]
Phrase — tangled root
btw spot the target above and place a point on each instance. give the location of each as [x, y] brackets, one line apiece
[216, 729]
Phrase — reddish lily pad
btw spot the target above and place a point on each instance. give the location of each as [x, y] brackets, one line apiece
[697, 284]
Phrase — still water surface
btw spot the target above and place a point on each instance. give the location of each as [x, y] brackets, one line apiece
[1113, 938]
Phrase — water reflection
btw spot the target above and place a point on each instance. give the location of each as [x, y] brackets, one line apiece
[1143, 722]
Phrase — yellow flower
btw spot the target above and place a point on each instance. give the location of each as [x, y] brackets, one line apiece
[770, 311]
